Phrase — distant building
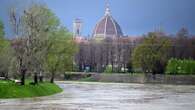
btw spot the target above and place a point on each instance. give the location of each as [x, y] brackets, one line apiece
[107, 27]
[77, 31]
[106, 47]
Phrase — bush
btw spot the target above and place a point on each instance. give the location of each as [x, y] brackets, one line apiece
[108, 69]
[186, 67]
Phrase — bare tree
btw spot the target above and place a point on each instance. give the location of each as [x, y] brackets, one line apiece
[18, 44]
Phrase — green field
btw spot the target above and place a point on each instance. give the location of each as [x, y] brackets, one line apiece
[9, 89]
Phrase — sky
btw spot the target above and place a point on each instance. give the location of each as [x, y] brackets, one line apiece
[136, 17]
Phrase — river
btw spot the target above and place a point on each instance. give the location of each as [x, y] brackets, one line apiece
[109, 96]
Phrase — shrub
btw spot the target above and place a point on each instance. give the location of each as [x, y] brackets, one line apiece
[176, 66]
[108, 69]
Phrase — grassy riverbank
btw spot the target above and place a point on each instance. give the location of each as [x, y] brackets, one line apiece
[9, 89]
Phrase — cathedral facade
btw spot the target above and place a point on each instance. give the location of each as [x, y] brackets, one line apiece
[106, 48]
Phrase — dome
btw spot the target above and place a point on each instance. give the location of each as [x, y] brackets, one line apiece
[107, 27]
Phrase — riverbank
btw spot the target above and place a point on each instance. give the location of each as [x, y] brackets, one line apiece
[133, 78]
[9, 89]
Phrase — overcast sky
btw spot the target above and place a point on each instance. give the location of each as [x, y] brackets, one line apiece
[135, 17]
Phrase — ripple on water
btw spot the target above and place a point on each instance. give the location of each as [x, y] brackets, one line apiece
[110, 96]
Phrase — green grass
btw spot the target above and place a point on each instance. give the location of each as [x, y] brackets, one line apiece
[11, 90]
[88, 79]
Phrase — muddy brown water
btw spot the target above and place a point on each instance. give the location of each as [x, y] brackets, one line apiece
[109, 96]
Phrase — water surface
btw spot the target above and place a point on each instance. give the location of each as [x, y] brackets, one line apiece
[109, 96]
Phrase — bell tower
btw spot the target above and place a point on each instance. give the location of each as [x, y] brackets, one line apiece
[77, 27]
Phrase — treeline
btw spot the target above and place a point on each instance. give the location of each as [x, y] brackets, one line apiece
[41, 45]
[149, 53]
[96, 56]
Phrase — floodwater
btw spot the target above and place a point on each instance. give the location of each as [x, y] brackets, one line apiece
[109, 96]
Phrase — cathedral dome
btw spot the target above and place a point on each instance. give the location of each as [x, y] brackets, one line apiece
[107, 27]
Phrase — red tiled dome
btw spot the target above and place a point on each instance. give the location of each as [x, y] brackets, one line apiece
[107, 27]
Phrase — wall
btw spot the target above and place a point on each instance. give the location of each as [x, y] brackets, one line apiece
[137, 78]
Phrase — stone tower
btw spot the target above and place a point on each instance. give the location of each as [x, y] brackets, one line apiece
[77, 27]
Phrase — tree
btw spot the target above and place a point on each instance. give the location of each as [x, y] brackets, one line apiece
[39, 22]
[100, 54]
[182, 49]
[32, 29]
[18, 44]
[60, 54]
[4, 53]
[2, 33]
[5, 56]
[152, 55]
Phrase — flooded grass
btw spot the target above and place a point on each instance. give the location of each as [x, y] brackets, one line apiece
[9, 89]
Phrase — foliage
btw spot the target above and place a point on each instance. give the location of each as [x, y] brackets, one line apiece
[2, 33]
[13, 69]
[3, 41]
[9, 89]
[60, 54]
[108, 69]
[176, 67]
[40, 22]
[5, 53]
[5, 61]
[152, 55]
[183, 47]
[41, 43]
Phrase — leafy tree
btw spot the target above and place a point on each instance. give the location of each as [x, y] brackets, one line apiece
[182, 49]
[108, 69]
[60, 54]
[5, 56]
[1, 30]
[2, 39]
[19, 45]
[32, 29]
[40, 22]
[152, 55]
[4, 53]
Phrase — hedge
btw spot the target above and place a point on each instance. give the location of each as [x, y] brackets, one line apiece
[183, 67]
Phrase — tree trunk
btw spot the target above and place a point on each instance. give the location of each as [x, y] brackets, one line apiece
[112, 67]
[36, 78]
[41, 77]
[153, 75]
[80, 68]
[52, 77]
[6, 76]
[23, 73]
